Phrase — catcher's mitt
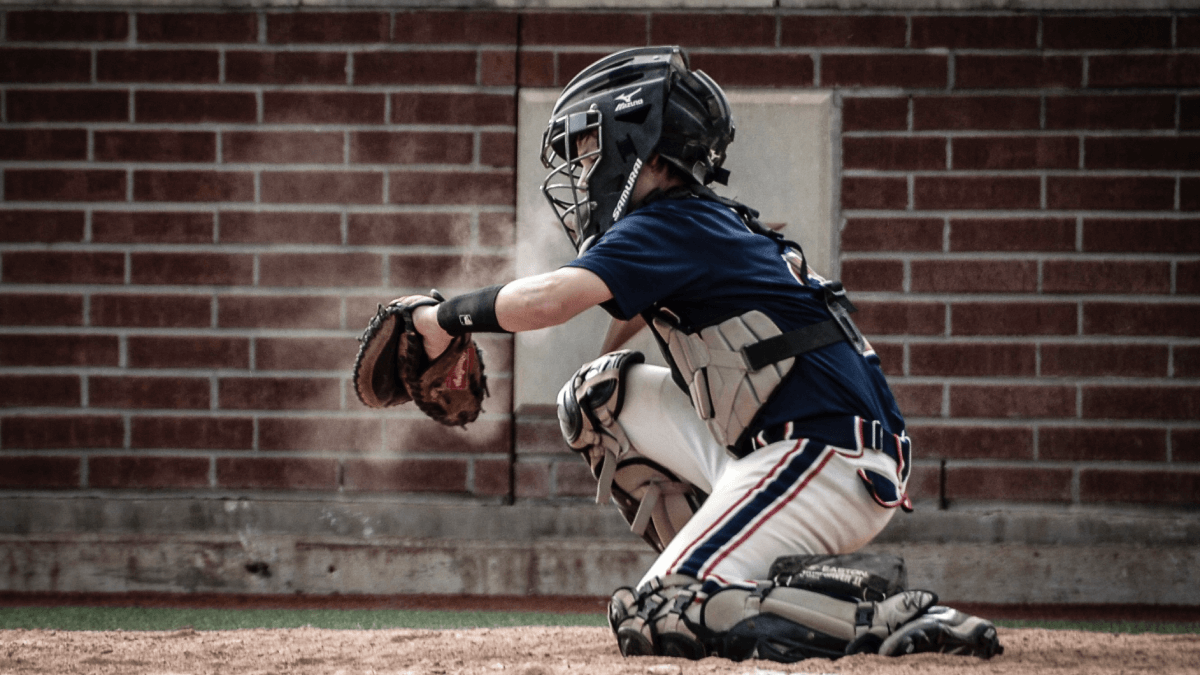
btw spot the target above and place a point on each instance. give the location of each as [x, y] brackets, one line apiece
[392, 367]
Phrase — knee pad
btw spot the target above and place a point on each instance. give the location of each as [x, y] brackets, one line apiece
[652, 500]
[678, 616]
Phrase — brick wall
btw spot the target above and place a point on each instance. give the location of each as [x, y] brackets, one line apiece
[201, 209]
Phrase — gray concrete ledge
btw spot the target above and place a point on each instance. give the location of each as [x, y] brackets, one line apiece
[633, 5]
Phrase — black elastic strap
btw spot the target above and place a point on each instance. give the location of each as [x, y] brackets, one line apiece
[473, 312]
[792, 343]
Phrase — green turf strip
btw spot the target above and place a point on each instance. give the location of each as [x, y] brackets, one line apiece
[135, 618]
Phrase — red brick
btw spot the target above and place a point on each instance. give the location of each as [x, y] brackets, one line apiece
[37, 309]
[246, 311]
[1106, 444]
[1140, 193]
[1101, 360]
[576, 28]
[325, 434]
[1134, 318]
[539, 434]
[286, 67]
[148, 472]
[197, 27]
[974, 32]
[973, 71]
[498, 68]
[59, 350]
[1106, 32]
[1133, 152]
[327, 27]
[195, 106]
[424, 435]
[1008, 483]
[279, 393]
[536, 69]
[439, 67]
[411, 147]
[573, 479]
[1185, 445]
[188, 352]
[472, 27]
[1186, 361]
[47, 105]
[444, 108]
[292, 107]
[884, 70]
[192, 433]
[152, 311]
[1144, 70]
[919, 400]
[66, 185]
[892, 234]
[751, 70]
[451, 187]
[1187, 31]
[972, 442]
[322, 187]
[497, 229]
[901, 318]
[193, 186]
[406, 475]
[1189, 112]
[280, 228]
[1106, 276]
[63, 267]
[409, 229]
[39, 391]
[152, 227]
[43, 144]
[873, 275]
[1189, 194]
[713, 30]
[28, 473]
[893, 153]
[891, 357]
[1013, 234]
[45, 65]
[925, 482]
[990, 192]
[974, 276]
[158, 65]
[874, 193]
[276, 473]
[1142, 487]
[1012, 401]
[1141, 402]
[498, 149]
[305, 353]
[842, 31]
[972, 360]
[148, 392]
[976, 112]
[1141, 236]
[155, 146]
[46, 432]
[217, 269]
[320, 269]
[874, 114]
[448, 271]
[1110, 112]
[51, 26]
[280, 147]
[491, 477]
[1013, 318]
[1008, 152]
[41, 226]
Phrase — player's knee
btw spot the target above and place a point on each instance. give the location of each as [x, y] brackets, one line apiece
[590, 402]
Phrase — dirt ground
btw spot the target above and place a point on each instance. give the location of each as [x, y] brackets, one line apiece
[540, 651]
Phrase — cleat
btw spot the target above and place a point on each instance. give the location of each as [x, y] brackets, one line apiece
[947, 631]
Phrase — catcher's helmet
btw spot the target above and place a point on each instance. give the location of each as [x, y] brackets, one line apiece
[637, 102]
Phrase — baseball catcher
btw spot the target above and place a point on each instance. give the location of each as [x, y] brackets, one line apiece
[771, 449]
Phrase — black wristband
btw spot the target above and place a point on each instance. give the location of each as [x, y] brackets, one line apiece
[473, 312]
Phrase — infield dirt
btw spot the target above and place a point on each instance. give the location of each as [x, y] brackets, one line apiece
[540, 651]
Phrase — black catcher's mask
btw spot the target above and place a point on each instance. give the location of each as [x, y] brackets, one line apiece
[636, 102]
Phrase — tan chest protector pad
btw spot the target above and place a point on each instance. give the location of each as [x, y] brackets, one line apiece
[725, 392]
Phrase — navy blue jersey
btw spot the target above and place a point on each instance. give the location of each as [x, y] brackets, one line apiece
[697, 259]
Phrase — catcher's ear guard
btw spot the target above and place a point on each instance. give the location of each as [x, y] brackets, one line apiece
[377, 380]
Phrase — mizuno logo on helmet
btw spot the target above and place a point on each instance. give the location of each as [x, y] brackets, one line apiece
[627, 100]
[633, 175]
